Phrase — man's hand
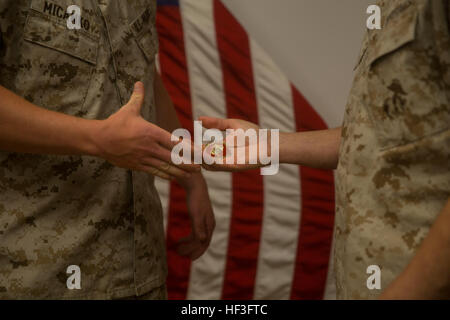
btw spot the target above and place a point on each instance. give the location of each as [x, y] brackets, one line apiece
[128, 141]
[250, 150]
[201, 215]
[199, 205]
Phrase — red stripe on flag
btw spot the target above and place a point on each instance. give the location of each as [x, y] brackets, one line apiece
[317, 215]
[247, 207]
[176, 79]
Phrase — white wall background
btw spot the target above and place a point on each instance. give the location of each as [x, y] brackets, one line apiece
[315, 42]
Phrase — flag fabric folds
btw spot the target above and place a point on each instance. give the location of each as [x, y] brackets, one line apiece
[273, 237]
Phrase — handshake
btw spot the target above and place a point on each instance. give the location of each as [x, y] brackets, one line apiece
[129, 141]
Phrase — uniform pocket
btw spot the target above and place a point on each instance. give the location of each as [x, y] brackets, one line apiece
[398, 32]
[63, 60]
[405, 99]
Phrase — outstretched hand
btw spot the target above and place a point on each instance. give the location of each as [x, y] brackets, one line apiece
[235, 144]
[128, 141]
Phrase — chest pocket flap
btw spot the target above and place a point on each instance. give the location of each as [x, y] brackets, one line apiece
[405, 99]
[399, 30]
[53, 33]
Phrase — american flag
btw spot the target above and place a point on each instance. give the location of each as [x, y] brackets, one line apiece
[274, 233]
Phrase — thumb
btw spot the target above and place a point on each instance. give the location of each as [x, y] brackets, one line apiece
[137, 98]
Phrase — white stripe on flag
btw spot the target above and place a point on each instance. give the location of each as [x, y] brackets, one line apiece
[278, 246]
[205, 73]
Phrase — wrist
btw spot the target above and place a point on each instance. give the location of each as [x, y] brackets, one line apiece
[91, 133]
[195, 180]
[285, 147]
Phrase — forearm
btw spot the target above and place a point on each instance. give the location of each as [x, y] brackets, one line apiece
[27, 128]
[428, 274]
[317, 149]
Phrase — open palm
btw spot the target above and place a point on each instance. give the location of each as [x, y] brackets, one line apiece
[235, 146]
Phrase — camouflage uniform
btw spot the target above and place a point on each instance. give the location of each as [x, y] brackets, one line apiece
[57, 211]
[394, 167]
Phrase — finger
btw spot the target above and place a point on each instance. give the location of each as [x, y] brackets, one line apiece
[199, 228]
[166, 156]
[191, 248]
[216, 123]
[166, 139]
[221, 168]
[188, 148]
[227, 163]
[137, 98]
[186, 245]
[198, 241]
[232, 139]
[166, 168]
[198, 252]
[229, 167]
[169, 141]
[209, 225]
[155, 172]
[218, 168]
